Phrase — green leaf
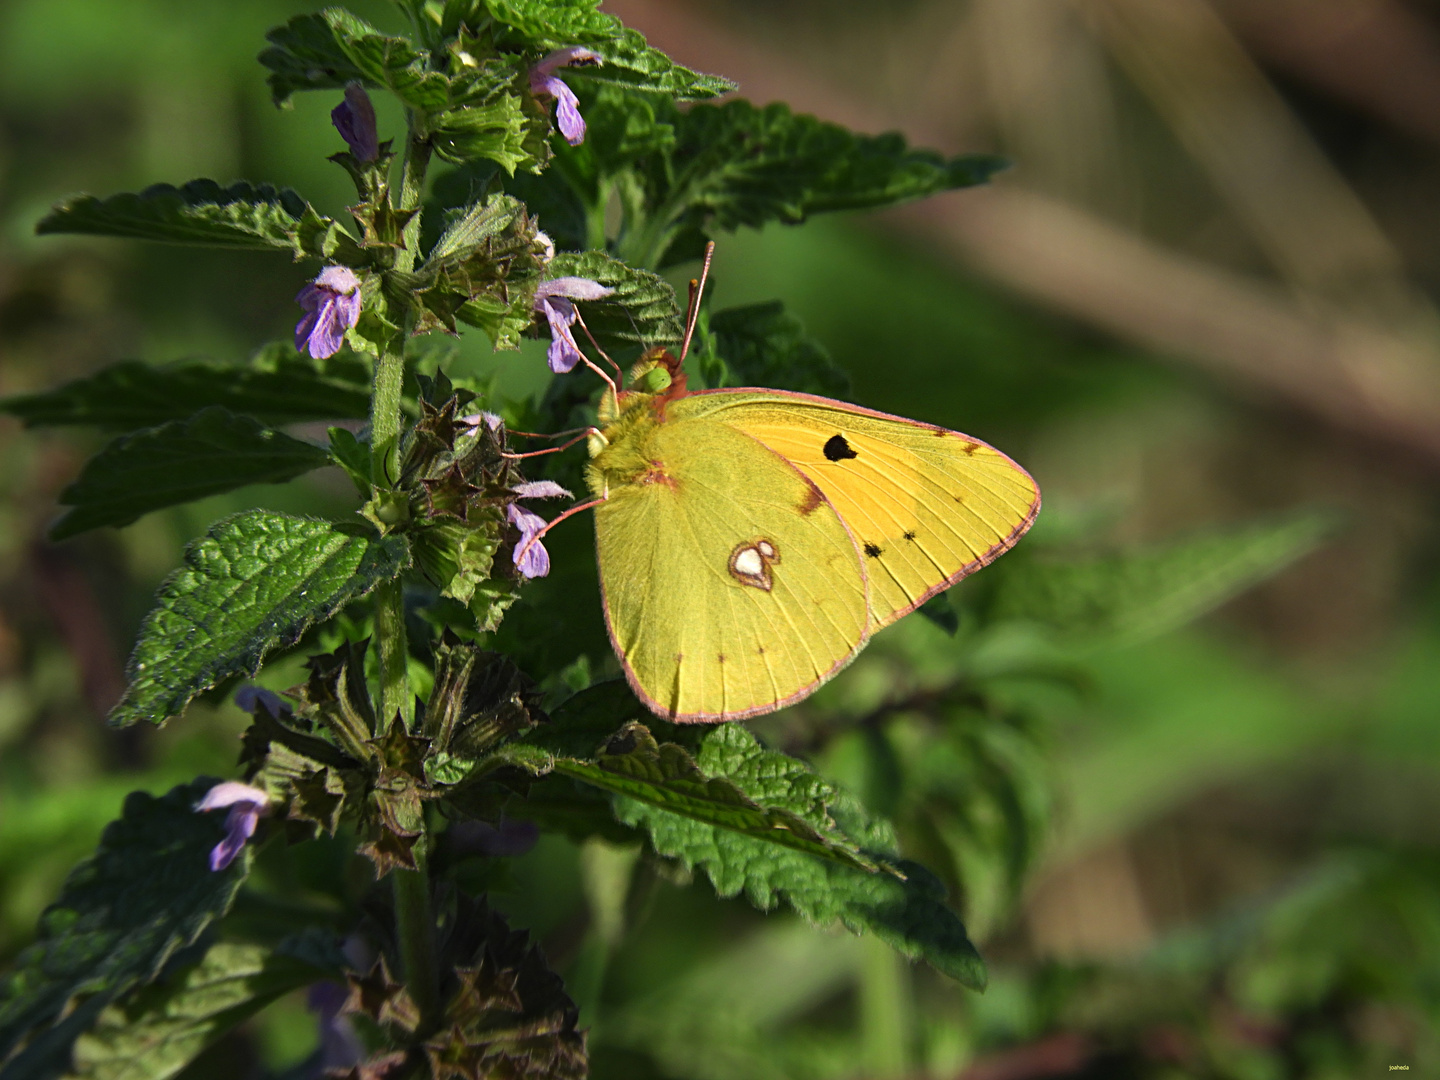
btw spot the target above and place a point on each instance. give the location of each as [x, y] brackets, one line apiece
[1131, 596]
[641, 312]
[541, 26]
[254, 582]
[664, 775]
[281, 387]
[630, 62]
[763, 345]
[551, 24]
[145, 894]
[446, 768]
[243, 215]
[353, 456]
[331, 48]
[622, 128]
[495, 131]
[158, 1031]
[735, 165]
[484, 270]
[909, 913]
[179, 462]
[474, 229]
[473, 109]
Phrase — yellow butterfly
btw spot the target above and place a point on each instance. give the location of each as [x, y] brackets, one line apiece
[750, 541]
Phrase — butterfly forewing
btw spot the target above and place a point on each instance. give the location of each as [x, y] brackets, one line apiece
[731, 585]
[925, 505]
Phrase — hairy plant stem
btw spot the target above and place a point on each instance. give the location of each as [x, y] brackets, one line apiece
[395, 704]
[385, 425]
[414, 916]
[415, 929]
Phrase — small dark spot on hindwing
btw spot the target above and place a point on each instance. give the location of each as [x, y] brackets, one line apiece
[910, 535]
[873, 550]
[837, 449]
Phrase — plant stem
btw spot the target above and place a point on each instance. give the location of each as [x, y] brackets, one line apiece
[886, 1011]
[415, 929]
[393, 649]
[385, 413]
[385, 425]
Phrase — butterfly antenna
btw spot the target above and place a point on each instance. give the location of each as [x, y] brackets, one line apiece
[697, 290]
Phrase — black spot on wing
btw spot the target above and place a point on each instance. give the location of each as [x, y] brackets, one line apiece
[837, 449]
[873, 550]
[910, 535]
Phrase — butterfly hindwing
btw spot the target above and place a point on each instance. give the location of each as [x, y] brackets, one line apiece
[926, 506]
[731, 585]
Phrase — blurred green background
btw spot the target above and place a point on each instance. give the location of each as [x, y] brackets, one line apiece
[1203, 297]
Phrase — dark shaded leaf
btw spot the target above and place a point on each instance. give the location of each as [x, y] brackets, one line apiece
[146, 893]
[1147, 592]
[243, 215]
[764, 345]
[157, 1032]
[581, 725]
[506, 1013]
[282, 387]
[212, 452]
[735, 164]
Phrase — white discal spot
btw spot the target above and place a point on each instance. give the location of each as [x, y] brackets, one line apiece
[749, 561]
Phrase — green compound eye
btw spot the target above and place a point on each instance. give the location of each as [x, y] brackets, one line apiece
[653, 381]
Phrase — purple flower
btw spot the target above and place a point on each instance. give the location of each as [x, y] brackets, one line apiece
[354, 118]
[553, 299]
[340, 1046]
[531, 558]
[332, 306]
[545, 83]
[246, 804]
[541, 489]
[508, 837]
[489, 419]
[252, 699]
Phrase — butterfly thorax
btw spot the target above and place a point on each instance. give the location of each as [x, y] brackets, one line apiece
[620, 454]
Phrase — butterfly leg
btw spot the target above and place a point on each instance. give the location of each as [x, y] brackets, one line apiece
[585, 433]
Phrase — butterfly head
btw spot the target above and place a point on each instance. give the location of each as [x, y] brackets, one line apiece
[655, 380]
